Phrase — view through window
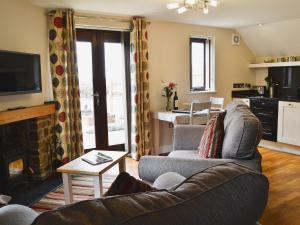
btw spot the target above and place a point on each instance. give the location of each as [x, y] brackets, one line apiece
[85, 71]
[115, 93]
[200, 64]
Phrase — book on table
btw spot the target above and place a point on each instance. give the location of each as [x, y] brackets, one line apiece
[97, 159]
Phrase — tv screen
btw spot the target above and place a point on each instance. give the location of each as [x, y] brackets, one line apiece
[20, 73]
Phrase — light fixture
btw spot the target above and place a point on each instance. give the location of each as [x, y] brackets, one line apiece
[193, 5]
[173, 5]
[181, 10]
[205, 8]
[214, 3]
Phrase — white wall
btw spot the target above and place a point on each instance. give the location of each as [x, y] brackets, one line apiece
[169, 60]
[273, 39]
[24, 28]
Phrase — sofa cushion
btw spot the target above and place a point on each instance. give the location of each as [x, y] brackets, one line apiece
[212, 139]
[242, 132]
[126, 184]
[168, 180]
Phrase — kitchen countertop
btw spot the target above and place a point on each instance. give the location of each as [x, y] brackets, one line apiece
[254, 95]
[277, 99]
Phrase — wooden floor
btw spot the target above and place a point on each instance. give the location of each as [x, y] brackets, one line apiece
[283, 172]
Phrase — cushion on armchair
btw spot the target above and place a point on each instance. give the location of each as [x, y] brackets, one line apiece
[212, 138]
[242, 132]
[168, 180]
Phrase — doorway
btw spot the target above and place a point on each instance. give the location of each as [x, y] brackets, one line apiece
[103, 68]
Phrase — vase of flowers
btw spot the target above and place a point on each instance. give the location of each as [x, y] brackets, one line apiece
[168, 90]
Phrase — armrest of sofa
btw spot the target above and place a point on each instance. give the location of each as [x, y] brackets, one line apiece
[17, 215]
[151, 167]
[187, 137]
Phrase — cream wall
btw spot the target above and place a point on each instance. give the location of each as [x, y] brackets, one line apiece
[169, 60]
[260, 75]
[24, 29]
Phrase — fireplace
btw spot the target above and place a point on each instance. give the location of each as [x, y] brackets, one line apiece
[14, 167]
[26, 152]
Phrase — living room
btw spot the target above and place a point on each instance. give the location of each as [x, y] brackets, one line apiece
[104, 76]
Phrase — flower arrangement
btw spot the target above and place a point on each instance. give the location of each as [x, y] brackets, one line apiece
[168, 90]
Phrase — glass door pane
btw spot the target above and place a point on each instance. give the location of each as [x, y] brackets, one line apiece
[115, 92]
[85, 72]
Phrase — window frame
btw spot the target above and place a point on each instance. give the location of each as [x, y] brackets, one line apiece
[208, 79]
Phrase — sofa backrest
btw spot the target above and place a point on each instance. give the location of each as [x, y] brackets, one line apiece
[226, 194]
[242, 132]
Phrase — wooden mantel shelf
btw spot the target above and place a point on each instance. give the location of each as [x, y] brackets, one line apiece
[11, 116]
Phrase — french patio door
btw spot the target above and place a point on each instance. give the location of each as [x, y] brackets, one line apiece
[103, 66]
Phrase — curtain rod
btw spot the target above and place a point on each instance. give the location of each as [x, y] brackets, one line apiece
[103, 18]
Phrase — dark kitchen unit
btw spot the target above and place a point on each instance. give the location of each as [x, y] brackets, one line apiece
[266, 109]
[286, 82]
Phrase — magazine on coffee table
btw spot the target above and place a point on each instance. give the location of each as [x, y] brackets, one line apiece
[97, 159]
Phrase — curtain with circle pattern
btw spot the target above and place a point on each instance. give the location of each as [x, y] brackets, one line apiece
[64, 74]
[140, 112]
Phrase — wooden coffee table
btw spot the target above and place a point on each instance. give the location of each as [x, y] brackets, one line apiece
[80, 167]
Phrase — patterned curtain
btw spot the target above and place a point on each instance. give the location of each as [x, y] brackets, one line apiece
[63, 64]
[140, 116]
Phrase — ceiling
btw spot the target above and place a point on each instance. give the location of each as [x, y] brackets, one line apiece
[229, 14]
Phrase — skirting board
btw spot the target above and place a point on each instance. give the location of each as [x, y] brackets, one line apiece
[280, 147]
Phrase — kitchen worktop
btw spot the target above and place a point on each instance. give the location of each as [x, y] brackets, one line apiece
[276, 99]
[254, 95]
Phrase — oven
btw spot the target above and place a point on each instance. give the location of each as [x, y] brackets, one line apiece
[266, 109]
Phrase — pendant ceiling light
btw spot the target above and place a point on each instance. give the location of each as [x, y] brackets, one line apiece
[193, 5]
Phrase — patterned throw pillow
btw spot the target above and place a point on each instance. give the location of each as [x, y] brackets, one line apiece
[211, 142]
[126, 184]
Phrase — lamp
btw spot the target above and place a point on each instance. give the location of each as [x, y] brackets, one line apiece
[193, 5]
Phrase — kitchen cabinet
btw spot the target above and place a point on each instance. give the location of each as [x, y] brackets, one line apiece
[289, 123]
[266, 110]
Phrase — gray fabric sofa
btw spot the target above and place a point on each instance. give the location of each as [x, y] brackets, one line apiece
[227, 191]
[226, 194]
[242, 135]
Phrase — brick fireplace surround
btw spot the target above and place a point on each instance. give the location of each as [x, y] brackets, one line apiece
[29, 138]
[41, 145]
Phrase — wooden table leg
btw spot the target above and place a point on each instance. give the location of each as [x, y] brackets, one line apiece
[122, 165]
[67, 181]
[98, 186]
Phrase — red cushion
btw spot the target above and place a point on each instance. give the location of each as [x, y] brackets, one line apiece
[211, 142]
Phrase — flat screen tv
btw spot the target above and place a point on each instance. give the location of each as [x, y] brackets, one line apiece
[20, 73]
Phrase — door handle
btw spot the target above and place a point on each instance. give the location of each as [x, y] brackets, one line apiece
[97, 96]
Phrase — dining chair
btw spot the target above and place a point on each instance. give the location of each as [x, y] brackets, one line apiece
[216, 103]
[199, 113]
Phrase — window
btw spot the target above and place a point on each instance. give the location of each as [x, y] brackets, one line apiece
[200, 64]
